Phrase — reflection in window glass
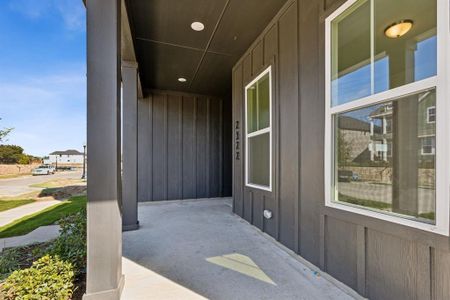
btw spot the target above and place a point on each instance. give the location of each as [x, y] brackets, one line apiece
[385, 157]
[258, 105]
[258, 135]
[259, 159]
[365, 61]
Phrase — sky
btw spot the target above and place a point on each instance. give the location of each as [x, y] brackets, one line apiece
[43, 74]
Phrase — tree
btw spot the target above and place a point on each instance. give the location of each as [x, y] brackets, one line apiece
[4, 133]
[344, 149]
[11, 154]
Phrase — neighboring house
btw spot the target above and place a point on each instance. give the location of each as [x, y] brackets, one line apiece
[247, 104]
[382, 129]
[67, 157]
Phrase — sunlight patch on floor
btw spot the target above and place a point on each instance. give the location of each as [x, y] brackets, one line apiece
[242, 264]
[143, 283]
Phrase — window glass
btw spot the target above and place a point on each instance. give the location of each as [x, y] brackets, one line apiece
[258, 106]
[350, 70]
[385, 157]
[252, 109]
[412, 57]
[258, 135]
[365, 61]
[259, 159]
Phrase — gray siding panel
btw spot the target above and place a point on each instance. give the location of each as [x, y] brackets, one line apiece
[174, 147]
[312, 112]
[379, 259]
[180, 147]
[144, 151]
[341, 251]
[202, 148]
[189, 147]
[288, 127]
[391, 265]
[238, 146]
[159, 147]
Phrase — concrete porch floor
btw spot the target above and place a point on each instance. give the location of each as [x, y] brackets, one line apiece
[198, 249]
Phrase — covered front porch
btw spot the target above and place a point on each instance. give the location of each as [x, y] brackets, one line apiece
[198, 249]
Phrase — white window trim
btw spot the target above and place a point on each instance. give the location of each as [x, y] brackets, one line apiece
[428, 115]
[259, 132]
[440, 82]
[433, 148]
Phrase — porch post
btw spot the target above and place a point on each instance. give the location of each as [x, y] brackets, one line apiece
[130, 100]
[104, 228]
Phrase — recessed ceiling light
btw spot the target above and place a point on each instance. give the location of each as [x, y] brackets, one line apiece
[197, 26]
[182, 79]
[398, 29]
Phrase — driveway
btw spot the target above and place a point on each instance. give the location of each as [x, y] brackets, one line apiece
[21, 185]
[199, 249]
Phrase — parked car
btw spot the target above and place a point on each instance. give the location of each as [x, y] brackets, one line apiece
[345, 175]
[43, 170]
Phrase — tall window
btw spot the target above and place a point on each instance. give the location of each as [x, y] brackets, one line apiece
[258, 121]
[386, 69]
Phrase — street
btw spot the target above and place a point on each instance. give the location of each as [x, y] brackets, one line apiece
[21, 185]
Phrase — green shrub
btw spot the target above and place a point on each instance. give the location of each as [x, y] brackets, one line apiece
[49, 278]
[71, 243]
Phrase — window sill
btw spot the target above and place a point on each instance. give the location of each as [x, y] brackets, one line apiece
[391, 217]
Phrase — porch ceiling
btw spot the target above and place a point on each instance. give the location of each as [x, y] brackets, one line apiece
[167, 48]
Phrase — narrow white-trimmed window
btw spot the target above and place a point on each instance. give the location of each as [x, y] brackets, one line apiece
[431, 114]
[386, 134]
[258, 124]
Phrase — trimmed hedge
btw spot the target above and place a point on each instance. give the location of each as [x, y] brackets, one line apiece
[49, 278]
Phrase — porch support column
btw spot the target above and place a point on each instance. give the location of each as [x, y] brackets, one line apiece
[130, 102]
[104, 226]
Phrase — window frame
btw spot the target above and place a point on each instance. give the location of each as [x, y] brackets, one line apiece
[428, 115]
[267, 70]
[442, 146]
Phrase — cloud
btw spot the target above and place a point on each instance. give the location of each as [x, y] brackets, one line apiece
[47, 112]
[72, 12]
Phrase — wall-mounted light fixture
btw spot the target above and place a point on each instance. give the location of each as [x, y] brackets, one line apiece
[182, 79]
[398, 29]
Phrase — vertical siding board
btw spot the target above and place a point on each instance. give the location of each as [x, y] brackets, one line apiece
[288, 131]
[159, 148]
[441, 274]
[271, 203]
[257, 58]
[238, 145]
[214, 151]
[174, 154]
[149, 146]
[247, 196]
[189, 154]
[227, 146]
[391, 267]
[341, 250]
[312, 129]
[202, 148]
[143, 151]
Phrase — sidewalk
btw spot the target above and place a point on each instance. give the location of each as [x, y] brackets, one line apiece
[39, 235]
[11, 215]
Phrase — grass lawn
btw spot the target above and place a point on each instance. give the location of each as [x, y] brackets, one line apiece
[13, 176]
[9, 204]
[57, 183]
[45, 217]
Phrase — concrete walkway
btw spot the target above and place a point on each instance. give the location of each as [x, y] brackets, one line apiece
[199, 249]
[11, 215]
[39, 235]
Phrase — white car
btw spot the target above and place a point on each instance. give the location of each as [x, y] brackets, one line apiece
[43, 170]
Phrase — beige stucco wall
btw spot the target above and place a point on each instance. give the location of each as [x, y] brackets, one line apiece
[16, 169]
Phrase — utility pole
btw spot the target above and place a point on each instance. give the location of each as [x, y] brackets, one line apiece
[83, 176]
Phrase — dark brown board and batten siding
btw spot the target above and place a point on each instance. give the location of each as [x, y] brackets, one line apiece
[378, 259]
[184, 142]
